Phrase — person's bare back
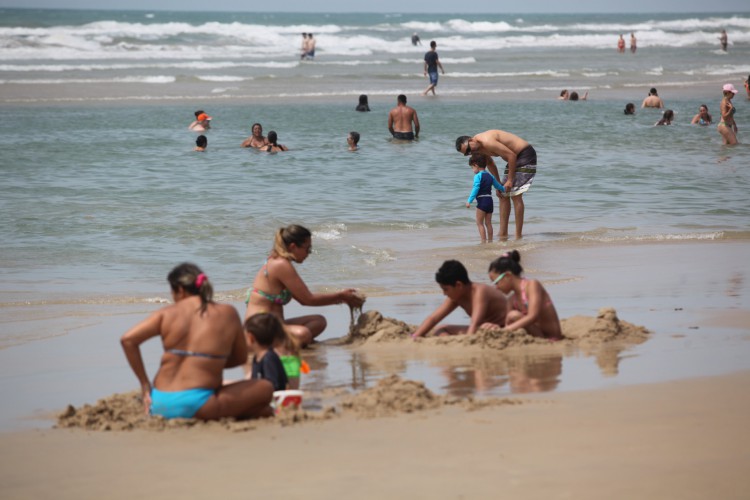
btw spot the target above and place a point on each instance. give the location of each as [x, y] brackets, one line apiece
[498, 143]
[400, 120]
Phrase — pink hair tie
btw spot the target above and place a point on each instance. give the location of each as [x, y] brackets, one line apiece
[199, 280]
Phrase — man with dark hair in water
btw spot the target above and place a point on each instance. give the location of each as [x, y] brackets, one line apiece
[518, 175]
[400, 121]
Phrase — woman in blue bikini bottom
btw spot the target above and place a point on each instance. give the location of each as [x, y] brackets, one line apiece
[189, 383]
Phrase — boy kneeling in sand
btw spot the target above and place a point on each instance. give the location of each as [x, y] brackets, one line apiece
[484, 303]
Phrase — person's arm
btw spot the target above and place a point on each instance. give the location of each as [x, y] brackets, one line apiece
[238, 355]
[535, 294]
[492, 167]
[441, 312]
[661, 103]
[390, 122]
[131, 342]
[440, 65]
[643, 104]
[478, 310]
[474, 189]
[292, 281]
[425, 66]
[496, 184]
[247, 142]
[415, 118]
[496, 148]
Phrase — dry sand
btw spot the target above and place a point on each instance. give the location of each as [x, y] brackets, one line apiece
[684, 439]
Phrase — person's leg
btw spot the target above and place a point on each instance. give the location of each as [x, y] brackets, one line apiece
[518, 209]
[504, 217]
[306, 328]
[488, 225]
[480, 224]
[244, 399]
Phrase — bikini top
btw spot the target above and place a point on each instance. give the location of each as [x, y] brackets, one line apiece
[525, 300]
[282, 298]
[181, 352]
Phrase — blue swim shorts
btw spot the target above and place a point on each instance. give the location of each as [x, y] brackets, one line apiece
[485, 204]
[433, 77]
[179, 404]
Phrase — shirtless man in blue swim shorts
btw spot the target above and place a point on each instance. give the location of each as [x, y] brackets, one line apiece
[519, 171]
[400, 121]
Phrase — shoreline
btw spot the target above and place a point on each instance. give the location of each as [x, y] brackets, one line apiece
[77, 95]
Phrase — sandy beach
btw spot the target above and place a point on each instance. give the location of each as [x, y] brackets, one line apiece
[649, 428]
[638, 233]
[681, 439]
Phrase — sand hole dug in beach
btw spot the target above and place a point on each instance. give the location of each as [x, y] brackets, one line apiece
[390, 396]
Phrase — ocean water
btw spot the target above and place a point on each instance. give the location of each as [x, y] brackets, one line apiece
[74, 56]
[101, 193]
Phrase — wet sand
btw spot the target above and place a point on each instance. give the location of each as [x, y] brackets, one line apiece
[663, 418]
[683, 439]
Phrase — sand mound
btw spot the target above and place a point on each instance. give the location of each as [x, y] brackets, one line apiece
[124, 412]
[606, 327]
[372, 326]
[392, 395]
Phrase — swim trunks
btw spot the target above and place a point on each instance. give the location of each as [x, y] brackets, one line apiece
[179, 404]
[525, 172]
[433, 77]
[482, 191]
[485, 204]
[404, 136]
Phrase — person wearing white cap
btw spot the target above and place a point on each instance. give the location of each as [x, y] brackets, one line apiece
[727, 126]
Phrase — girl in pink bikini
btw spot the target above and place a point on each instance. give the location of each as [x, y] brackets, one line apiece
[529, 305]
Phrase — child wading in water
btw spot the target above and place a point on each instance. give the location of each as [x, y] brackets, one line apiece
[530, 306]
[482, 192]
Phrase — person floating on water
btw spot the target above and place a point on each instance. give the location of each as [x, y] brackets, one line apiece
[703, 117]
[519, 171]
[352, 140]
[400, 121]
[201, 143]
[202, 122]
[363, 105]
[483, 303]
[257, 140]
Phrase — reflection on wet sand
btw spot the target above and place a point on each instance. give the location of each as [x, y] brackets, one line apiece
[486, 364]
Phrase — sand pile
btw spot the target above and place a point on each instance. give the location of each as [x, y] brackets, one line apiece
[606, 327]
[373, 327]
[393, 395]
[124, 412]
